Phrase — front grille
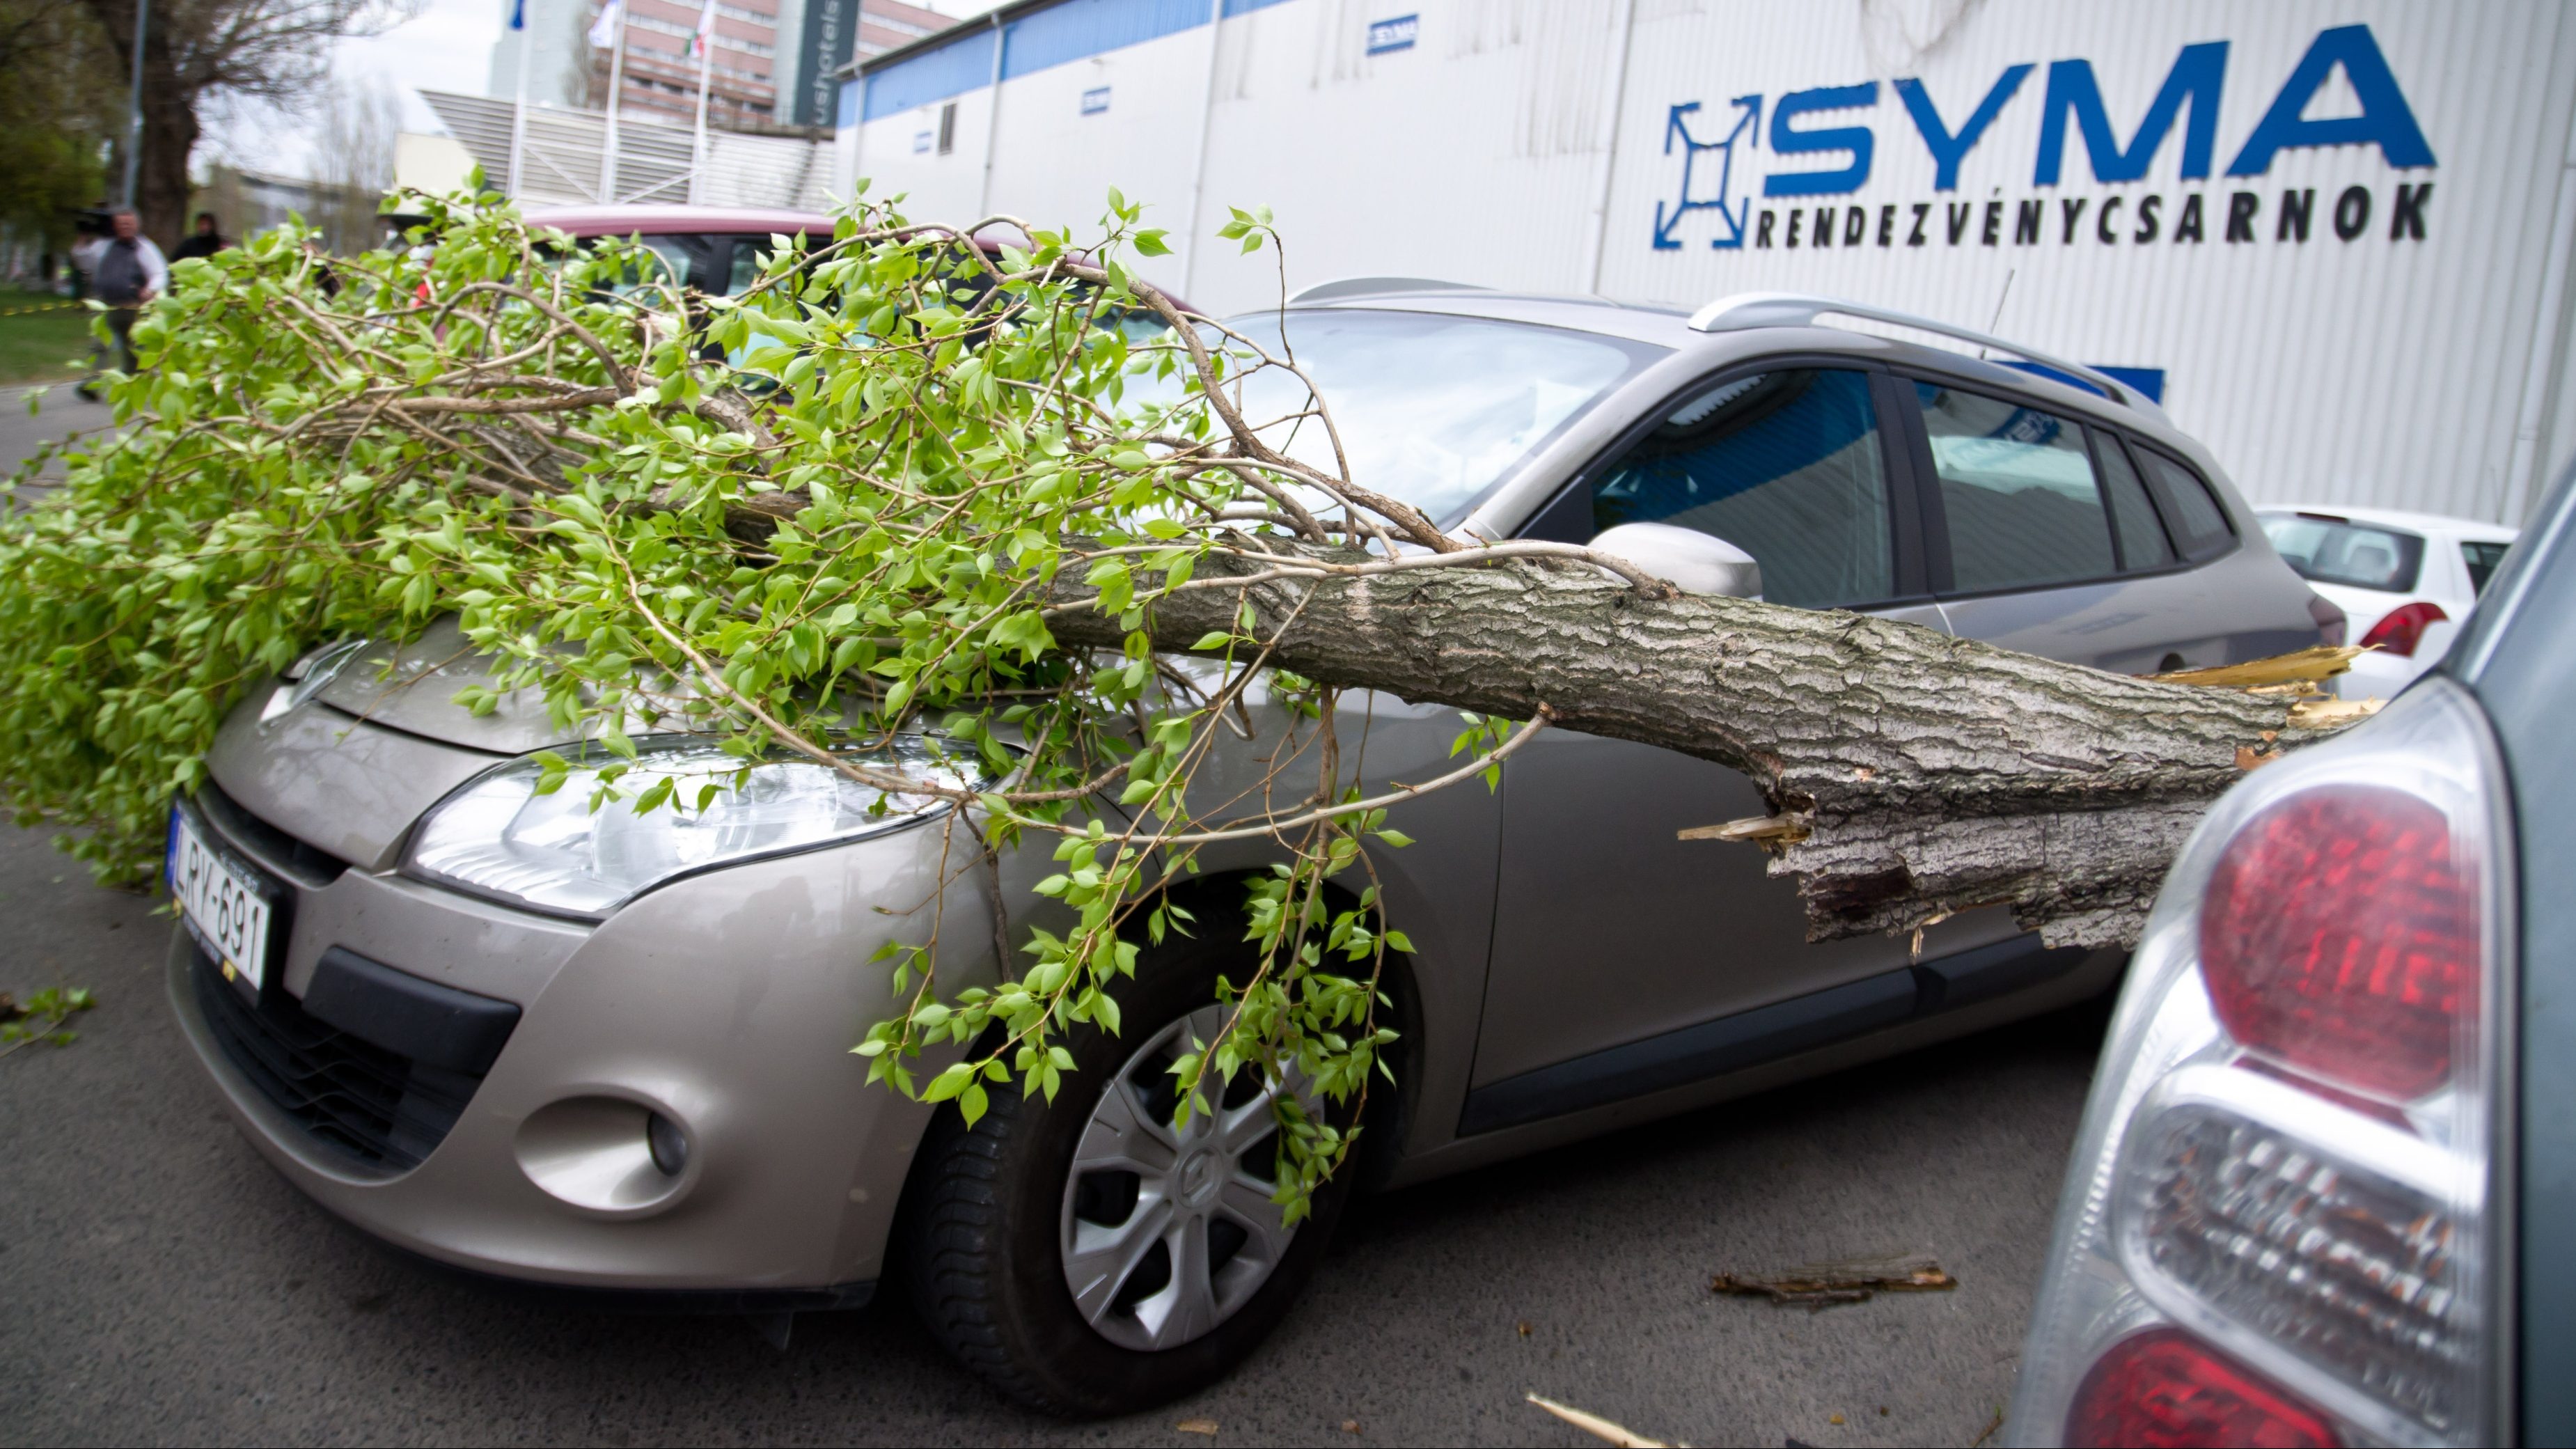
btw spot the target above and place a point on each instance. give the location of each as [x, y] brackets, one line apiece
[362, 1101]
[312, 867]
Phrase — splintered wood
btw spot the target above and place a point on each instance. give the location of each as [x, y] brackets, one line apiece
[2306, 666]
[1821, 1285]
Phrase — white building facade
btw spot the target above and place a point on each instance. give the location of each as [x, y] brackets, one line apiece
[2334, 235]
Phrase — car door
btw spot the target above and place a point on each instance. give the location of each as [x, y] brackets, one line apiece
[2063, 539]
[1608, 931]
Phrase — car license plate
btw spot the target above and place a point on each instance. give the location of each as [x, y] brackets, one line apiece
[225, 907]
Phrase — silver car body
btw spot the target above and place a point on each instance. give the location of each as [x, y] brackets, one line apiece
[1577, 967]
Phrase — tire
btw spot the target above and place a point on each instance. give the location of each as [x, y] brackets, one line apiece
[994, 1206]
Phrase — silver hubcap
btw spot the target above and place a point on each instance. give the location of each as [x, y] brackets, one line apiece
[1167, 1233]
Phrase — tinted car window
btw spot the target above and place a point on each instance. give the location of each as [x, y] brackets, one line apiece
[2200, 526]
[2018, 491]
[2143, 544]
[2482, 559]
[674, 255]
[2329, 550]
[745, 268]
[1785, 465]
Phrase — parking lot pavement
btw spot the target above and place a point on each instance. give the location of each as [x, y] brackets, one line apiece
[60, 413]
[163, 1285]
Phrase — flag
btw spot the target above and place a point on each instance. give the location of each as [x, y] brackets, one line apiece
[519, 15]
[706, 35]
[603, 31]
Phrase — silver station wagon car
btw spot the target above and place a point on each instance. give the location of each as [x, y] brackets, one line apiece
[607, 1053]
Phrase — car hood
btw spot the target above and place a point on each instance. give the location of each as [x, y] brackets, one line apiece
[413, 686]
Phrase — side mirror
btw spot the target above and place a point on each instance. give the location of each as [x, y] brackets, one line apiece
[1695, 562]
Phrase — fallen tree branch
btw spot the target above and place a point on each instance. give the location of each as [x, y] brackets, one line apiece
[1912, 774]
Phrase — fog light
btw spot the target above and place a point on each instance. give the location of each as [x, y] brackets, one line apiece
[669, 1145]
[608, 1155]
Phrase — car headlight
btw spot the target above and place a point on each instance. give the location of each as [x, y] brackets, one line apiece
[498, 837]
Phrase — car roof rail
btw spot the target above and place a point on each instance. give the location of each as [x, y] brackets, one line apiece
[1347, 287]
[1746, 310]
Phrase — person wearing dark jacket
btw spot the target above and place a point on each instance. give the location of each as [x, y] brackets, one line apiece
[129, 273]
[205, 241]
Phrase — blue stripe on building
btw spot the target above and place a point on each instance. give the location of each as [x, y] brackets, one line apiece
[953, 69]
[1039, 40]
[1079, 29]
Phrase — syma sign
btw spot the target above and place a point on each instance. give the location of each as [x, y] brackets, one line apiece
[1822, 144]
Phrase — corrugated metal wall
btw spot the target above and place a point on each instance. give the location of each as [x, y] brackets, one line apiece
[2350, 367]
[562, 151]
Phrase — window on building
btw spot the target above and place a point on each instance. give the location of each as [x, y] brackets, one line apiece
[2017, 490]
[947, 128]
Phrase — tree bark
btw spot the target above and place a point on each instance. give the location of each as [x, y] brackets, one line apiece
[1913, 774]
[170, 128]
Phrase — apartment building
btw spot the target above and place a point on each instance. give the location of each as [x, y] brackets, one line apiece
[774, 60]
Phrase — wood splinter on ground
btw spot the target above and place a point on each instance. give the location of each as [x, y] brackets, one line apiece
[1822, 1285]
[1598, 1427]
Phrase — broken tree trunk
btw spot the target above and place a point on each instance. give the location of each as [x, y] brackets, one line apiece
[1912, 774]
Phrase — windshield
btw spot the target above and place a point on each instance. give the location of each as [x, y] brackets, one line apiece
[1432, 410]
[2327, 550]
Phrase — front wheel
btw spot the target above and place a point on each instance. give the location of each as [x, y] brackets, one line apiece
[1087, 1257]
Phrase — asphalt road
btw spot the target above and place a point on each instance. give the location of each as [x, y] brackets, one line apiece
[60, 412]
[160, 1284]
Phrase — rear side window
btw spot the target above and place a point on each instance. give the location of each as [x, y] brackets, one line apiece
[2324, 549]
[2143, 544]
[2018, 491]
[1786, 466]
[745, 268]
[2200, 526]
[2482, 560]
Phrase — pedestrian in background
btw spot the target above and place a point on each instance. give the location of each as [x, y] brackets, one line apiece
[204, 242]
[85, 254]
[129, 272]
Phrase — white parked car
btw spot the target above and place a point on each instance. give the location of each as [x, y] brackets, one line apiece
[2407, 581]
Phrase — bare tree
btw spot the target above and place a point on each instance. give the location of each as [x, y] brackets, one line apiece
[198, 52]
[353, 164]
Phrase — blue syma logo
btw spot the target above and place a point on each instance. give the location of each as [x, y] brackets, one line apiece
[1717, 163]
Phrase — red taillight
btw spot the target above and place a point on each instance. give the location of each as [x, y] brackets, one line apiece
[2340, 936]
[2164, 1387]
[2404, 627]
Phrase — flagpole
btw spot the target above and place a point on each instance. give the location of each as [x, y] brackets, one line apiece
[706, 71]
[519, 107]
[616, 84]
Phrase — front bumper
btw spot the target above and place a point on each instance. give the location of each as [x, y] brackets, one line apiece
[727, 1003]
